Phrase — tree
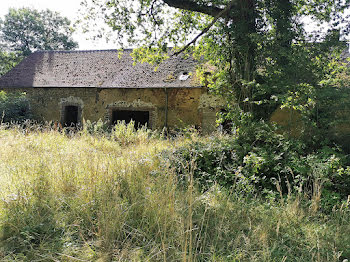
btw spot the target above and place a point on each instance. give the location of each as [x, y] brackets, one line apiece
[8, 60]
[27, 30]
[252, 43]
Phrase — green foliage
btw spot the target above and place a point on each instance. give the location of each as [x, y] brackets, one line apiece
[126, 133]
[27, 30]
[258, 159]
[95, 128]
[14, 107]
[8, 60]
[123, 133]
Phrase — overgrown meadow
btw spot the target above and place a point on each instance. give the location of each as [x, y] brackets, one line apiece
[129, 195]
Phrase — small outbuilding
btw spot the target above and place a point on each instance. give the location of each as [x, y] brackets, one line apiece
[69, 86]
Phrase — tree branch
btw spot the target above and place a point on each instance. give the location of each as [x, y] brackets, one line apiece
[220, 14]
[193, 6]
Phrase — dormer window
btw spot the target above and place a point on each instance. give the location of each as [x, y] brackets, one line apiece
[184, 76]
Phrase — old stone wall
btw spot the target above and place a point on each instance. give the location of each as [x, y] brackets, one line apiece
[288, 120]
[186, 106]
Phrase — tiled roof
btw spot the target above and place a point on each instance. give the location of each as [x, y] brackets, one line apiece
[100, 68]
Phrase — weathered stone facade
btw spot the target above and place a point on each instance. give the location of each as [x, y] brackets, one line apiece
[185, 107]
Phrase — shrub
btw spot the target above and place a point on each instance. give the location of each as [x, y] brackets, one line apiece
[95, 128]
[258, 159]
[14, 107]
[125, 133]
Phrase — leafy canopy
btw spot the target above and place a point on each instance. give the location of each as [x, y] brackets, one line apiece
[27, 30]
[8, 60]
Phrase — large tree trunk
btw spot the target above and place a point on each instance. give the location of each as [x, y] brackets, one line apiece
[244, 53]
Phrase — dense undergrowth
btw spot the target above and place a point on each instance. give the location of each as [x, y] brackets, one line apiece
[139, 196]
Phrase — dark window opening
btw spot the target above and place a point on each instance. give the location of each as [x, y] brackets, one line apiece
[140, 118]
[70, 115]
[226, 125]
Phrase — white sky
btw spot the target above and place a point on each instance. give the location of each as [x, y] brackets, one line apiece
[67, 8]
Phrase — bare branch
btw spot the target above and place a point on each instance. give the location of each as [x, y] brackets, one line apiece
[220, 14]
[152, 13]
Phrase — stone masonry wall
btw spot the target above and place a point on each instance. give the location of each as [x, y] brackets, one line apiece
[185, 105]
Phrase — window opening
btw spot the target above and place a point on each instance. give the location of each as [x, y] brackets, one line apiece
[70, 115]
[140, 118]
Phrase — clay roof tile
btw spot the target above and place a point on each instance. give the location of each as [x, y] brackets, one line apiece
[96, 68]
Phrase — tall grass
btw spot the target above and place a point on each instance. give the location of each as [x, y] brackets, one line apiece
[86, 197]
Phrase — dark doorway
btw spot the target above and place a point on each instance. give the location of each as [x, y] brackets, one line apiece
[140, 118]
[227, 125]
[71, 115]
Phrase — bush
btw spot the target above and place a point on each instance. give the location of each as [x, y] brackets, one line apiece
[14, 107]
[258, 159]
[95, 128]
[125, 133]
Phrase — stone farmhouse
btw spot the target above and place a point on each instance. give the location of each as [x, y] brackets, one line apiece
[69, 86]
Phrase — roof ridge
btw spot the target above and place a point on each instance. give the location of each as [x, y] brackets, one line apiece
[83, 51]
[89, 50]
